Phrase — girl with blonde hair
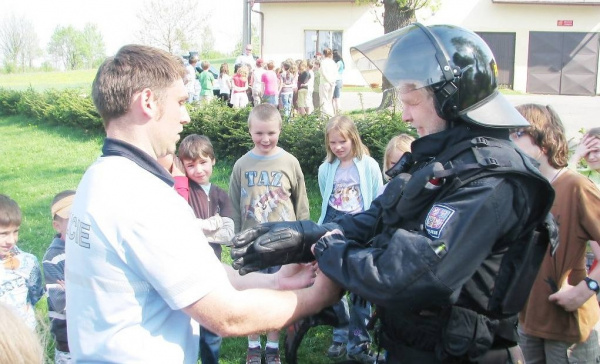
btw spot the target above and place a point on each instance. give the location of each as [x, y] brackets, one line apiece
[239, 97]
[349, 180]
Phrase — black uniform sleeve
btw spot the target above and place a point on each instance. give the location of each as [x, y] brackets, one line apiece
[415, 270]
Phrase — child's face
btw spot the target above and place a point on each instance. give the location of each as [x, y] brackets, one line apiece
[60, 226]
[393, 158]
[593, 159]
[199, 170]
[9, 235]
[265, 135]
[340, 146]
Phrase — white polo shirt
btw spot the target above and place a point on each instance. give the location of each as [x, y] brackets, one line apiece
[134, 259]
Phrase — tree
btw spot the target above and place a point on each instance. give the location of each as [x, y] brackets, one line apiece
[207, 41]
[173, 27]
[66, 47]
[397, 14]
[93, 50]
[18, 43]
[75, 49]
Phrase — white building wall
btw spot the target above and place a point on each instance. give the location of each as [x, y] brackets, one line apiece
[486, 16]
[285, 24]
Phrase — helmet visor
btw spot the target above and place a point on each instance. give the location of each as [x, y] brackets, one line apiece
[405, 57]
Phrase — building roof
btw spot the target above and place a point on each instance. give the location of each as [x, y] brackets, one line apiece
[550, 2]
[304, 1]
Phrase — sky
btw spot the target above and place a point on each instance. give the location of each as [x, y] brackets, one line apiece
[117, 19]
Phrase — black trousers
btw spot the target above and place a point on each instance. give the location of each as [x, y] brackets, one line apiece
[401, 354]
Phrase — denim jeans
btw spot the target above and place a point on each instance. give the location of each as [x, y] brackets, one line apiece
[353, 323]
[286, 101]
[352, 329]
[210, 344]
[270, 99]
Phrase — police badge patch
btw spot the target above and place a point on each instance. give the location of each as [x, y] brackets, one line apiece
[437, 218]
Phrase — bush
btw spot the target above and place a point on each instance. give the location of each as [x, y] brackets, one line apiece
[9, 101]
[226, 127]
[302, 136]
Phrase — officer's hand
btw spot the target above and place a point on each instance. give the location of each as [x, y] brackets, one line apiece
[275, 243]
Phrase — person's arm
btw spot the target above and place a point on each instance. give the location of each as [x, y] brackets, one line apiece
[299, 195]
[235, 196]
[587, 144]
[54, 275]
[572, 297]
[228, 311]
[227, 231]
[279, 84]
[376, 177]
[35, 283]
[181, 181]
[412, 267]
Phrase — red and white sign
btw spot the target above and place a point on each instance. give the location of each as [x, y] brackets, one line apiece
[564, 23]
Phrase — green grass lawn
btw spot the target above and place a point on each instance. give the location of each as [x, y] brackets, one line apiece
[41, 81]
[38, 160]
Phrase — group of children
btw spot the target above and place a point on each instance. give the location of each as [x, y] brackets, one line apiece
[21, 284]
[267, 184]
[292, 87]
[200, 85]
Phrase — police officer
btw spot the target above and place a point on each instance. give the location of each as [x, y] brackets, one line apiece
[449, 251]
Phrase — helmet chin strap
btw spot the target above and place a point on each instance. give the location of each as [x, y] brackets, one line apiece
[446, 95]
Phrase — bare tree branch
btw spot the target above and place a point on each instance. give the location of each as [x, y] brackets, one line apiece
[174, 27]
[18, 42]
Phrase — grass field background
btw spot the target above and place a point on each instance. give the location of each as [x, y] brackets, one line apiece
[39, 160]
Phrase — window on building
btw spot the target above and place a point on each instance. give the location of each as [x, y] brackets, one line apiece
[316, 40]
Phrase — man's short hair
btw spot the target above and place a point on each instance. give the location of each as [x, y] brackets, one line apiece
[264, 112]
[205, 65]
[10, 212]
[194, 147]
[133, 69]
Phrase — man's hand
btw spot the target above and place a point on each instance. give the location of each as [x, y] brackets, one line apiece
[275, 243]
[570, 298]
[178, 169]
[296, 276]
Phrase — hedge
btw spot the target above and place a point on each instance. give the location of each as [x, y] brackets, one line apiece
[303, 136]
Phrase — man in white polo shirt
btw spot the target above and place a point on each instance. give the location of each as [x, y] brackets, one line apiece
[141, 275]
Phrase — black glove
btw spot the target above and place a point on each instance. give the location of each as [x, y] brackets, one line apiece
[276, 243]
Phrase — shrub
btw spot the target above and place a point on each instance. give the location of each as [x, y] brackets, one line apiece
[34, 105]
[9, 101]
[73, 107]
[226, 127]
[302, 136]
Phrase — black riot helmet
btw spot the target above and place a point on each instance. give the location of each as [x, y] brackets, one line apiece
[455, 63]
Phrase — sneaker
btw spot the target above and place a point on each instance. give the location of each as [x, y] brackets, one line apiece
[254, 356]
[272, 356]
[336, 350]
[365, 357]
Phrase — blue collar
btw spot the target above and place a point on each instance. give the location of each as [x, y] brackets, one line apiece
[115, 147]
